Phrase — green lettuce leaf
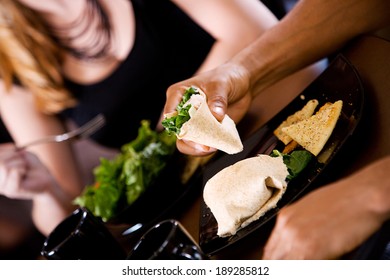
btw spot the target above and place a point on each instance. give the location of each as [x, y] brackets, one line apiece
[296, 162]
[127, 176]
[174, 123]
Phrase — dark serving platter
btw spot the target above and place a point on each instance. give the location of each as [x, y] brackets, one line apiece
[166, 194]
[339, 81]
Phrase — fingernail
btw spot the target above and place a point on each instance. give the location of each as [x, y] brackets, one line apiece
[218, 110]
[204, 149]
[201, 148]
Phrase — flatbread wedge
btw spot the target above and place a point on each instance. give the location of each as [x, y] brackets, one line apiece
[313, 133]
[306, 112]
[243, 192]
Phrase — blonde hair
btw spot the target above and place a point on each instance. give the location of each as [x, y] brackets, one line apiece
[29, 54]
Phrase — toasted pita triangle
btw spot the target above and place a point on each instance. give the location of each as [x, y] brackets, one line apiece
[313, 133]
[306, 112]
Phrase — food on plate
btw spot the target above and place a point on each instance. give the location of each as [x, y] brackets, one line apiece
[306, 112]
[121, 180]
[194, 121]
[313, 133]
[243, 192]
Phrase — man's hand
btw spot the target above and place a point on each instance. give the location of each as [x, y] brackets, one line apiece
[228, 92]
[335, 219]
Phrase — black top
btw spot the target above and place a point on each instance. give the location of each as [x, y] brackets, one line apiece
[169, 47]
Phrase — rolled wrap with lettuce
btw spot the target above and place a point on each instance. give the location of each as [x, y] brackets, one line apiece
[194, 121]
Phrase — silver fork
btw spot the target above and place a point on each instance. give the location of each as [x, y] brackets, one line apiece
[81, 132]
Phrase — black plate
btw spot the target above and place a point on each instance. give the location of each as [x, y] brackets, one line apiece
[339, 81]
[161, 198]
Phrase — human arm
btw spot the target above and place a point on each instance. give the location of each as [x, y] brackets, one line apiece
[335, 219]
[23, 176]
[26, 124]
[312, 30]
[233, 24]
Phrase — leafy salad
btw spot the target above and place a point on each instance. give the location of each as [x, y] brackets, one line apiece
[121, 180]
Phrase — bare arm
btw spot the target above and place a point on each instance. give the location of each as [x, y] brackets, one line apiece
[312, 30]
[233, 23]
[23, 176]
[52, 203]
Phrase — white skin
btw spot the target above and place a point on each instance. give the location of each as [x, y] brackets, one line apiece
[223, 19]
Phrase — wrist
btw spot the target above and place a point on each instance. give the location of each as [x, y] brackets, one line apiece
[54, 194]
[239, 76]
[51, 207]
[260, 65]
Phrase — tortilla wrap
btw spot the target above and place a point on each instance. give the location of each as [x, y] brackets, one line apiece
[243, 192]
[203, 128]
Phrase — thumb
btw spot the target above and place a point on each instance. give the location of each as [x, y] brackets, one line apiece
[174, 95]
[218, 106]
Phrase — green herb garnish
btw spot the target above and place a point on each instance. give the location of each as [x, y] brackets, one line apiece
[174, 123]
[295, 162]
